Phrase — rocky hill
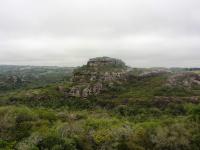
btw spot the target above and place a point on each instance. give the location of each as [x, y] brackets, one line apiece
[98, 74]
[102, 73]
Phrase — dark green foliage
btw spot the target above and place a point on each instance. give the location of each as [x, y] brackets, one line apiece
[54, 143]
[195, 113]
[98, 128]
[175, 91]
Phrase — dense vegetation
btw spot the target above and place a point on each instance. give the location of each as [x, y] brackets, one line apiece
[141, 114]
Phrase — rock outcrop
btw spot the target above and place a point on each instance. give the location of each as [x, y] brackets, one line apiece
[187, 79]
[105, 61]
[97, 75]
[155, 72]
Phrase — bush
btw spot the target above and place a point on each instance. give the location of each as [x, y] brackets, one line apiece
[195, 113]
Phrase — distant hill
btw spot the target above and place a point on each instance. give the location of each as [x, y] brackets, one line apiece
[14, 77]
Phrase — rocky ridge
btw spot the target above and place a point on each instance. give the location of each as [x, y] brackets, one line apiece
[186, 79]
[101, 73]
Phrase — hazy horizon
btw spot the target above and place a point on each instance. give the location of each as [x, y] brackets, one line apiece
[142, 33]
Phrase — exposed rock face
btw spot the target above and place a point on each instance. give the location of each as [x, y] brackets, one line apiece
[89, 76]
[75, 91]
[105, 61]
[99, 72]
[187, 79]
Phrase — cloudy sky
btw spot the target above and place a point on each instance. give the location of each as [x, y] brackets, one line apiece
[143, 33]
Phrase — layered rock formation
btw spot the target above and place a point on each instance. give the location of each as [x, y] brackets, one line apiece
[97, 75]
[105, 61]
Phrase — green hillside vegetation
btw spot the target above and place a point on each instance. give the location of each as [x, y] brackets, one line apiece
[141, 114]
[15, 77]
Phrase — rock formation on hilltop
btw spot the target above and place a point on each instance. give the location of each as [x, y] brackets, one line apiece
[105, 61]
[99, 73]
[102, 73]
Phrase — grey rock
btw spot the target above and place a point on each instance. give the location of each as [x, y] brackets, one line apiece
[97, 88]
[92, 78]
[86, 92]
[104, 61]
[75, 92]
[186, 79]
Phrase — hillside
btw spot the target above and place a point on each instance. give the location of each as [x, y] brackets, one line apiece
[103, 105]
[15, 77]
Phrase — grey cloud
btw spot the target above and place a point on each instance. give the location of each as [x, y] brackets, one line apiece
[141, 32]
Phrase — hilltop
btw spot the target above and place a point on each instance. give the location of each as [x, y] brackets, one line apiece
[99, 73]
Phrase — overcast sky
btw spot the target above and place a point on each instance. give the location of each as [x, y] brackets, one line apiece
[143, 33]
